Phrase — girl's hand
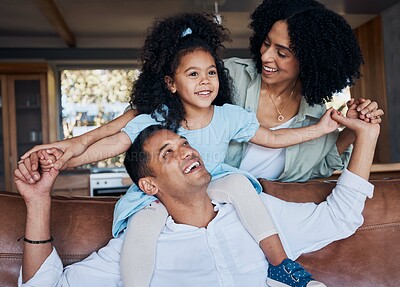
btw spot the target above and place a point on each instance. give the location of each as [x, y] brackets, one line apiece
[326, 123]
[46, 159]
[72, 147]
[364, 109]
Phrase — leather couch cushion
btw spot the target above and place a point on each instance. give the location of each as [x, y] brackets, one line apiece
[369, 257]
[83, 225]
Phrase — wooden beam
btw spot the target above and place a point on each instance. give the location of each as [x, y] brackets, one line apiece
[53, 15]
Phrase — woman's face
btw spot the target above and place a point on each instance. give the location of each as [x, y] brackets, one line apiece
[279, 64]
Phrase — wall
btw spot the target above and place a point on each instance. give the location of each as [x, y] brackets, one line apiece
[391, 36]
[372, 84]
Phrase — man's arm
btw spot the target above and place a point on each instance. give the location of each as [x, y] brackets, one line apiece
[363, 109]
[41, 264]
[366, 137]
[308, 227]
[38, 204]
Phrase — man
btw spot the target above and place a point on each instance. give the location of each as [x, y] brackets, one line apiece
[203, 243]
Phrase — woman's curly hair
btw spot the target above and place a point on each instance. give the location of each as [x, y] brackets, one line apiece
[163, 49]
[323, 42]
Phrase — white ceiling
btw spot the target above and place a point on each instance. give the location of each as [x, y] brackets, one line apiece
[123, 23]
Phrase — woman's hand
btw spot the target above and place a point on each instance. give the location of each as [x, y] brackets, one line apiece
[364, 109]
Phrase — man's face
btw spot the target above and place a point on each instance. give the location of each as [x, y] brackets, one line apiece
[177, 167]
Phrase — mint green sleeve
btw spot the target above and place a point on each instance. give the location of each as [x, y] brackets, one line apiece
[331, 162]
[314, 159]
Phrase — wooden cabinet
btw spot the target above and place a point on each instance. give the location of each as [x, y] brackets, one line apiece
[24, 112]
[72, 184]
[4, 145]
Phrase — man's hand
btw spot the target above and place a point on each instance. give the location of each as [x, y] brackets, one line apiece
[357, 125]
[41, 160]
[37, 191]
[38, 209]
[366, 137]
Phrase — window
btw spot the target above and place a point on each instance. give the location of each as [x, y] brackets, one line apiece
[339, 100]
[90, 98]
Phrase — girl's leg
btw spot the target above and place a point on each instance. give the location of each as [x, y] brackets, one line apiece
[238, 190]
[139, 248]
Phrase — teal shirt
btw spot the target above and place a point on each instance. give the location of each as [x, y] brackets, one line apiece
[313, 159]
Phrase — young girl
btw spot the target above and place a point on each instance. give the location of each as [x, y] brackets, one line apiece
[184, 85]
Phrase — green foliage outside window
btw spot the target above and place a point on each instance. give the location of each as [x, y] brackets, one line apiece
[91, 98]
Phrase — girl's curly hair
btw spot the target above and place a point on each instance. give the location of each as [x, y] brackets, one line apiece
[163, 50]
[323, 42]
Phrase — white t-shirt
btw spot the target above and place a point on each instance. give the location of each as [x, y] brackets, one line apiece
[263, 162]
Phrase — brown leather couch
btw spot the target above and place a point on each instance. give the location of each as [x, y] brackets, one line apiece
[368, 258]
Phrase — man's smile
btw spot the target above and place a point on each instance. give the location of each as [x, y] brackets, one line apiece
[191, 165]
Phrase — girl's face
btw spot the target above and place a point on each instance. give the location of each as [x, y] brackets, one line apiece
[195, 80]
[279, 64]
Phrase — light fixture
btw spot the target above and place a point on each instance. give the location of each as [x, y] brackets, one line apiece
[218, 17]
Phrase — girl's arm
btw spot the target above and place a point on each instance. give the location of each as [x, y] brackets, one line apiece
[102, 149]
[73, 147]
[77, 145]
[291, 136]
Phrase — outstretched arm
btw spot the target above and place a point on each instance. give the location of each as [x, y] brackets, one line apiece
[102, 149]
[341, 214]
[77, 145]
[366, 137]
[363, 109]
[291, 136]
[71, 148]
[38, 204]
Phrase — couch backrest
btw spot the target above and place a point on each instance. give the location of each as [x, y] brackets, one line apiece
[83, 225]
[79, 227]
[369, 257]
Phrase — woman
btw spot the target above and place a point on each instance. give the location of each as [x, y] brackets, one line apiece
[302, 53]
